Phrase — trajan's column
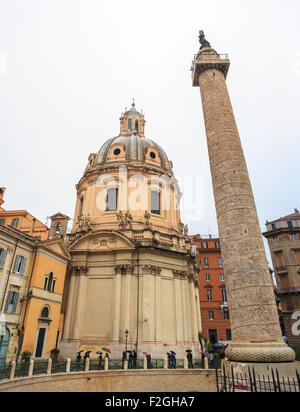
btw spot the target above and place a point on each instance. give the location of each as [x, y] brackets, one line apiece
[256, 333]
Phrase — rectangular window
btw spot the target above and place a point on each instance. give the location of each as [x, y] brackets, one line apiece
[275, 240]
[20, 265]
[12, 301]
[228, 334]
[3, 254]
[2, 222]
[46, 282]
[211, 315]
[207, 277]
[217, 244]
[204, 245]
[15, 222]
[224, 296]
[112, 200]
[293, 236]
[226, 315]
[209, 295]
[222, 277]
[220, 262]
[290, 224]
[53, 285]
[206, 263]
[155, 202]
[273, 226]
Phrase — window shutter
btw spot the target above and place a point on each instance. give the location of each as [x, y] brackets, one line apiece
[23, 265]
[17, 261]
[3, 257]
[8, 300]
[16, 299]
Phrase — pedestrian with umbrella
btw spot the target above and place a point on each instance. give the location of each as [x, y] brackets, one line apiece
[107, 351]
[78, 359]
[100, 366]
[173, 354]
[190, 359]
[148, 356]
[86, 356]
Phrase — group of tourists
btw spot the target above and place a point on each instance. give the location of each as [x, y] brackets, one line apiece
[131, 356]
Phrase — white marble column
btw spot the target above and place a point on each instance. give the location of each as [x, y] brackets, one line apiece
[193, 308]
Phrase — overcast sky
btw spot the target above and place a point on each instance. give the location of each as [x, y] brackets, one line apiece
[68, 68]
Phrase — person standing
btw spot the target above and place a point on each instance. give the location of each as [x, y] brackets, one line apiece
[148, 361]
[134, 359]
[130, 363]
[190, 360]
[170, 361]
[173, 360]
[78, 361]
[124, 358]
[100, 366]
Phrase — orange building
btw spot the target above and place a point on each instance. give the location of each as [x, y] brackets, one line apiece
[22, 220]
[212, 290]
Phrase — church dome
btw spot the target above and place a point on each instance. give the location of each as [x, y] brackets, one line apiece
[132, 147]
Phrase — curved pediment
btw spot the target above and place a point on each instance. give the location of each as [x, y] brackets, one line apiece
[103, 241]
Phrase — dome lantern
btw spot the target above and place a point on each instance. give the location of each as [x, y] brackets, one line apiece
[132, 122]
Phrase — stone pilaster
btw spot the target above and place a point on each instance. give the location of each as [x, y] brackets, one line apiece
[81, 272]
[256, 334]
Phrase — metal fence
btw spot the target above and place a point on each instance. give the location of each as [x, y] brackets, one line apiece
[40, 367]
[229, 381]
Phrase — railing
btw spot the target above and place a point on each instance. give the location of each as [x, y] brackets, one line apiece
[229, 381]
[34, 368]
[207, 56]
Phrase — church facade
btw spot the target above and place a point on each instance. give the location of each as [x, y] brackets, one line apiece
[132, 282]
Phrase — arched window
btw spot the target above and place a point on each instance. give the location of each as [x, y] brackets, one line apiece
[136, 126]
[58, 227]
[111, 200]
[80, 207]
[155, 202]
[45, 313]
[129, 125]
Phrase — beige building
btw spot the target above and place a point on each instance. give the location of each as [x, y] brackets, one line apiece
[284, 242]
[133, 267]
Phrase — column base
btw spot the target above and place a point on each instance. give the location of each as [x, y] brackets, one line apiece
[262, 370]
[260, 353]
[69, 349]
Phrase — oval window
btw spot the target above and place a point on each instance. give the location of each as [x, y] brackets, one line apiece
[153, 155]
[117, 152]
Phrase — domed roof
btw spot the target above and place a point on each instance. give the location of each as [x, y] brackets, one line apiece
[131, 146]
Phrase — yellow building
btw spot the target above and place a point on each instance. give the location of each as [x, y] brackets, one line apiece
[32, 275]
[41, 323]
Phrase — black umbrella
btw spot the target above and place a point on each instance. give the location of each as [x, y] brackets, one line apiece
[173, 352]
[189, 350]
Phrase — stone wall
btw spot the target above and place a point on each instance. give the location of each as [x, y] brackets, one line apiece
[118, 381]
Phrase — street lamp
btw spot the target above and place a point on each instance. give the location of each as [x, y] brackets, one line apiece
[126, 335]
